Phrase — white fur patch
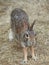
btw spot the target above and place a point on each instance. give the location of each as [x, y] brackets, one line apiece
[11, 36]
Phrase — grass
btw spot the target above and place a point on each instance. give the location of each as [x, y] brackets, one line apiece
[9, 53]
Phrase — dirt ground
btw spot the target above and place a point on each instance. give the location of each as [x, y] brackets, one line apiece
[10, 53]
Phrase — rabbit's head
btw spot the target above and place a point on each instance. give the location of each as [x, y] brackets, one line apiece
[29, 35]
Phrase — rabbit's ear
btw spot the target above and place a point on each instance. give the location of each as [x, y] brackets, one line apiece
[31, 27]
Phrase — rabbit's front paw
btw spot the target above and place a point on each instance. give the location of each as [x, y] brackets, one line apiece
[23, 62]
[35, 57]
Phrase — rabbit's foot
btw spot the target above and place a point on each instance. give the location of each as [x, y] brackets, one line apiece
[35, 57]
[23, 62]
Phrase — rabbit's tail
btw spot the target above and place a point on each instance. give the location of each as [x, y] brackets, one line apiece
[11, 36]
[32, 25]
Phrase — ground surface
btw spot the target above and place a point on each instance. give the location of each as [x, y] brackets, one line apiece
[10, 54]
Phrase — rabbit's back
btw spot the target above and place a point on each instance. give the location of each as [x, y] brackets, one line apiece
[19, 20]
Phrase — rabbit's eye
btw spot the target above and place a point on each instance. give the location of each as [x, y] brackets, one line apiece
[26, 35]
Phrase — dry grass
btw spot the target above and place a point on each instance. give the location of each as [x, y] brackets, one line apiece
[10, 54]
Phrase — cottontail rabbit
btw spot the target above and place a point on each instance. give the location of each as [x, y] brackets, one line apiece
[22, 31]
